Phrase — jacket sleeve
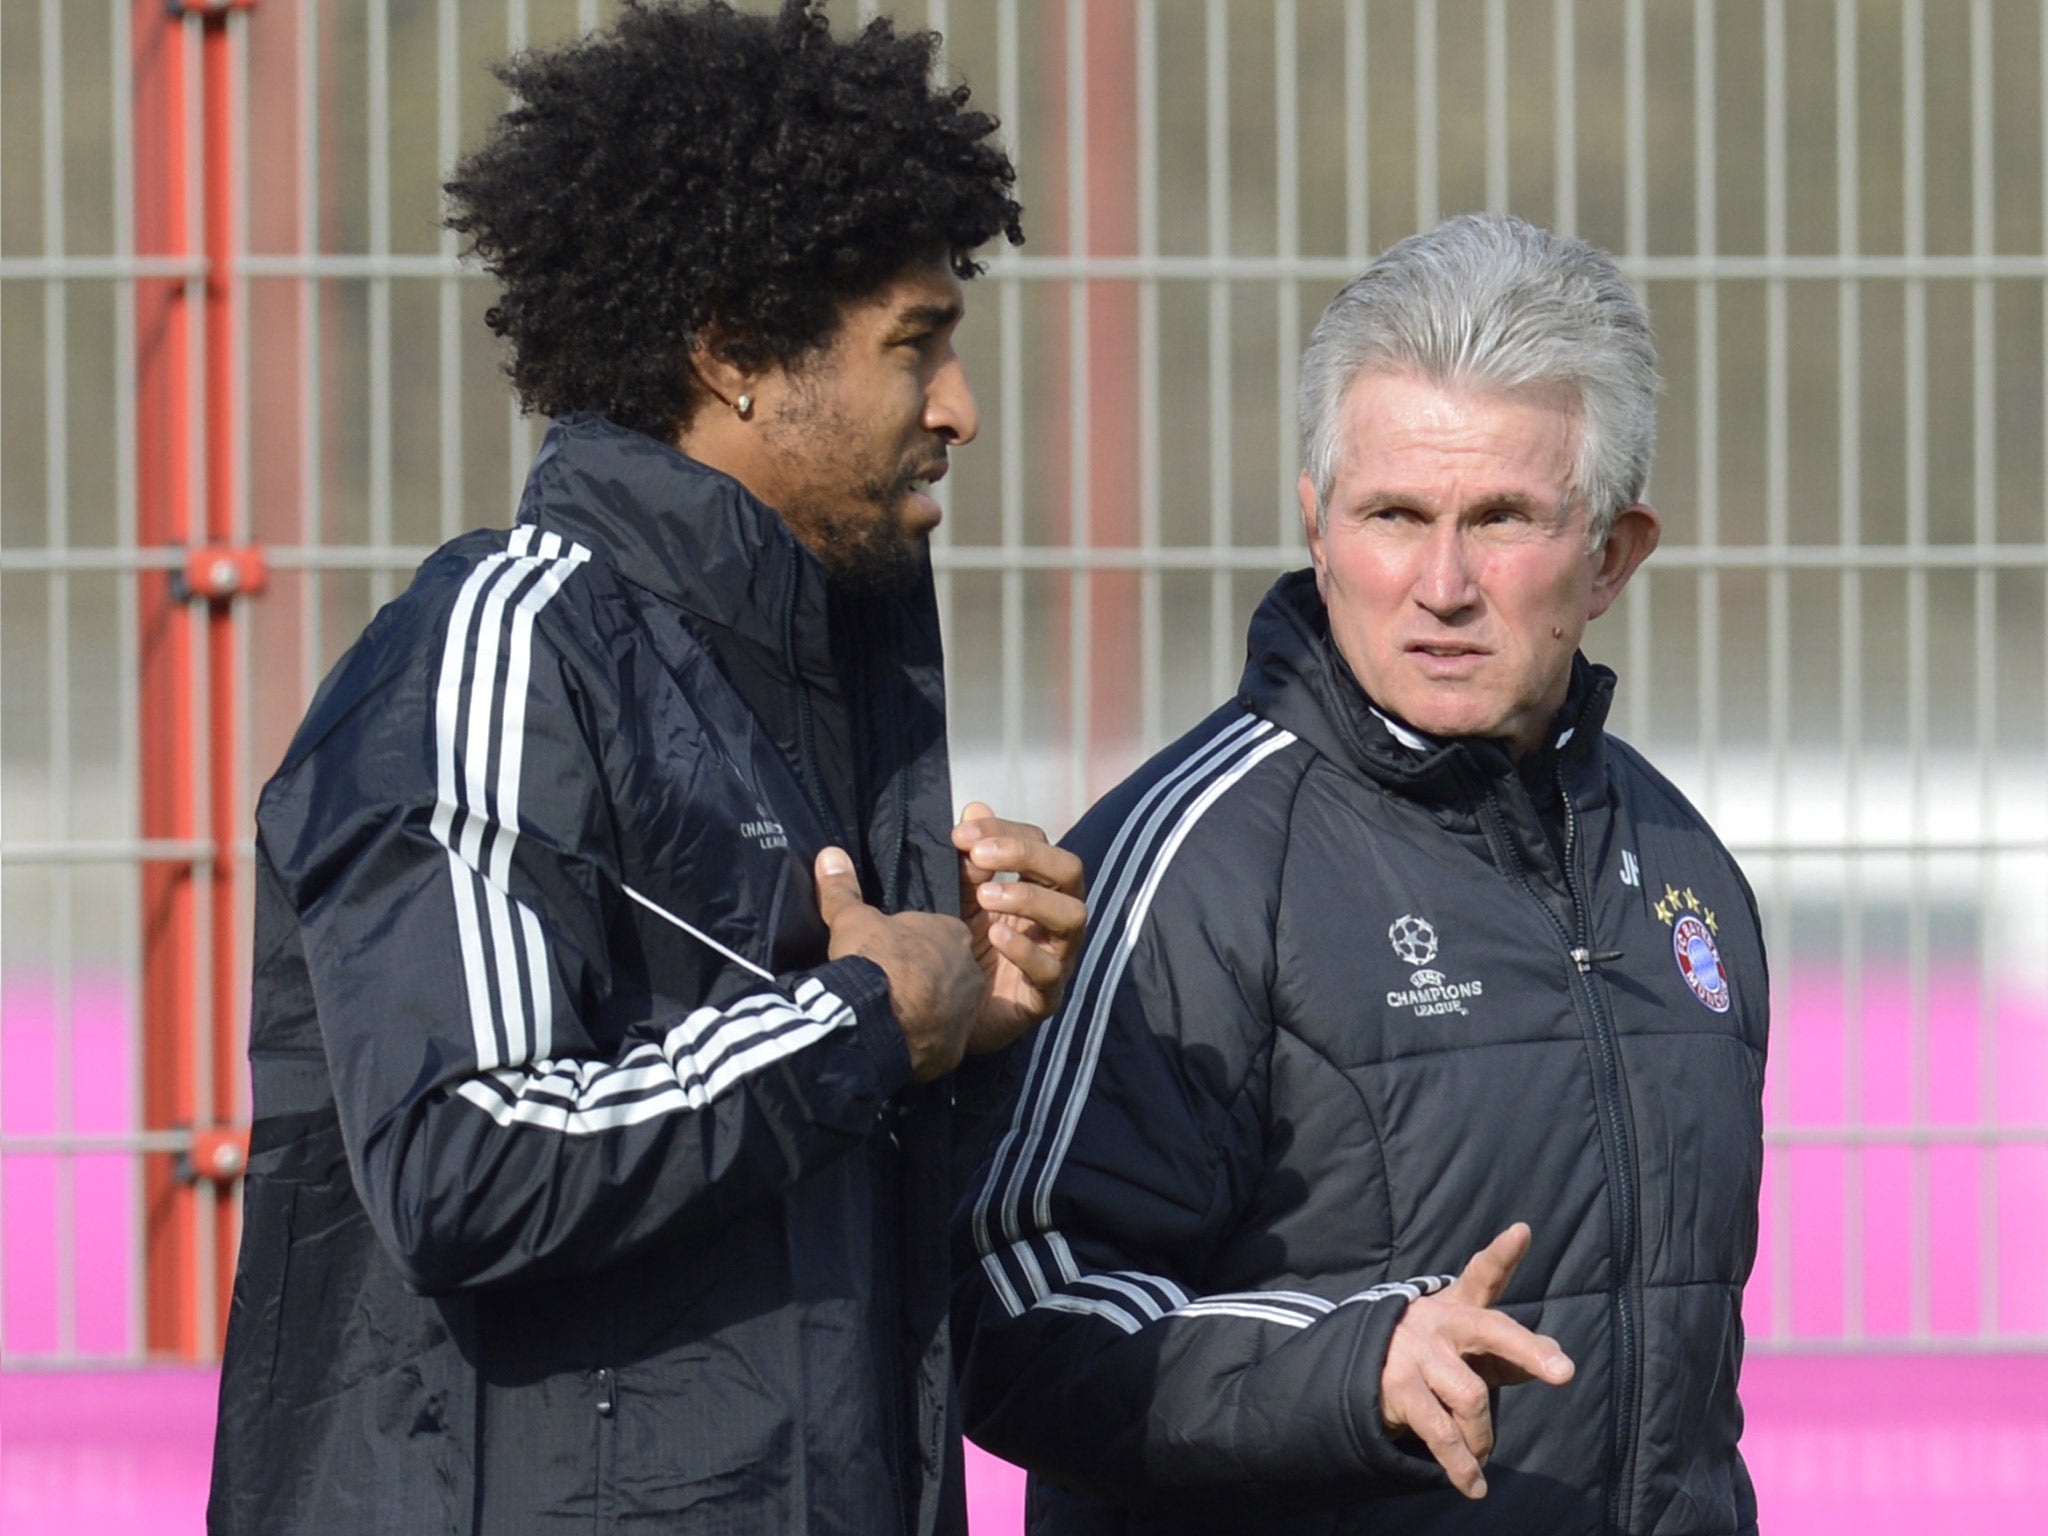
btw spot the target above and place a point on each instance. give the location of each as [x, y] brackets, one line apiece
[448, 847]
[1091, 1349]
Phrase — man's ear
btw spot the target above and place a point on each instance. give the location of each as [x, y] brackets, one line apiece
[1634, 535]
[1305, 488]
[715, 371]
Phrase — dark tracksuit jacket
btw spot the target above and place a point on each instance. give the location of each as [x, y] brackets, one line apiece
[585, 1192]
[1353, 1001]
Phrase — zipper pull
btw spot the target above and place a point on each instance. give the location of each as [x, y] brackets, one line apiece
[1582, 957]
[604, 1391]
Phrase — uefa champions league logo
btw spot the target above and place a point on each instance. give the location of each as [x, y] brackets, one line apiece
[1428, 992]
[1414, 940]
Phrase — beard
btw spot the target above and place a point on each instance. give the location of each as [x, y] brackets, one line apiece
[873, 555]
[842, 501]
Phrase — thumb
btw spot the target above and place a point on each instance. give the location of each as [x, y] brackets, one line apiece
[1486, 1274]
[838, 886]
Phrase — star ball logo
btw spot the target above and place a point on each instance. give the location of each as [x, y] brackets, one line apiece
[1413, 938]
[1692, 945]
[1428, 992]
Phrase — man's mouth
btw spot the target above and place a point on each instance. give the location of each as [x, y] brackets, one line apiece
[928, 475]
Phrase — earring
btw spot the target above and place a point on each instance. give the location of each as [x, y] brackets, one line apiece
[743, 407]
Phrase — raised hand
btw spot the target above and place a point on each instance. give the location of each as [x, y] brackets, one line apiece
[1450, 1348]
[1026, 931]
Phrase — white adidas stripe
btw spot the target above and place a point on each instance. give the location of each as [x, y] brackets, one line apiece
[477, 822]
[707, 1053]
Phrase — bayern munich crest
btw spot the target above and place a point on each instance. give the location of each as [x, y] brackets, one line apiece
[1693, 947]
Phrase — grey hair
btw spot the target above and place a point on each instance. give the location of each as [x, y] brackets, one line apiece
[1493, 301]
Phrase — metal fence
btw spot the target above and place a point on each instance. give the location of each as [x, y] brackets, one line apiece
[244, 387]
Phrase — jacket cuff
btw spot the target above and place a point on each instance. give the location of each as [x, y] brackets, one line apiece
[1403, 1457]
[864, 987]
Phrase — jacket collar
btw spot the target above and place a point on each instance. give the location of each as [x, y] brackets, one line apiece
[851, 686]
[1296, 677]
[690, 534]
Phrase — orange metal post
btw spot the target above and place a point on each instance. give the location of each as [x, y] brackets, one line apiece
[176, 1229]
[164, 516]
[224, 684]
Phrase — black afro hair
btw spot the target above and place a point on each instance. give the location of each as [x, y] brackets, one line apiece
[695, 174]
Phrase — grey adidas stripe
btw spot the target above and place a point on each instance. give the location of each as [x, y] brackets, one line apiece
[1139, 856]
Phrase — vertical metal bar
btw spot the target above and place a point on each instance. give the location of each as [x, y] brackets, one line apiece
[127, 621]
[1641, 652]
[216, 1085]
[1217, 39]
[1497, 106]
[447, 133]
[234, 1084]
[518, 430]
[1564, 99]
[1151, 684]
[1081, 502]
[1287, 246]
[312, 504]
[165, 507]
[57, 663]
[1707, 387]
[377, 48]
[2041, 86]
[201, 362]
[1428, 147]
[1914, 172]
[1849, 460]
[942, 537]
[1777, 626]
[1636, 136]
[1357, 135]
[1984, 398]
[1009, 98]
[3, 872]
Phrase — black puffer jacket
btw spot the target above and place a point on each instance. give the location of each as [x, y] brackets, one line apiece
[585, 1191]
[1350, 1006]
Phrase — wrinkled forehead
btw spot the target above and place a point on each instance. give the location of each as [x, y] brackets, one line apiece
[1417, 414]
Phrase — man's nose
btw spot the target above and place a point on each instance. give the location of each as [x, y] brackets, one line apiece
[949, 408]
[1445, 584]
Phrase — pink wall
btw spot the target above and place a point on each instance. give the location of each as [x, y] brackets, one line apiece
[1871, 1443]
[1878, 1446]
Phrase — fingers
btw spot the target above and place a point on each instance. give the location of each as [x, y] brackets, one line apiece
[1036, 911]
[1487, 1273]
[1043, 967]
[838, 885]
[1415, 1406]
[995, 846]
[1506, 1353]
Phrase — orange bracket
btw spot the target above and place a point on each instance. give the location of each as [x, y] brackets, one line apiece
[218, 1152]
[216, 573]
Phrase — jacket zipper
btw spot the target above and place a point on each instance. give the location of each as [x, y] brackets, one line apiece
[807, 742]
[1628, 1365]
[1579, 949]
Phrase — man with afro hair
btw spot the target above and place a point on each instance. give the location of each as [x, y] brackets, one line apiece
[625, 999]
